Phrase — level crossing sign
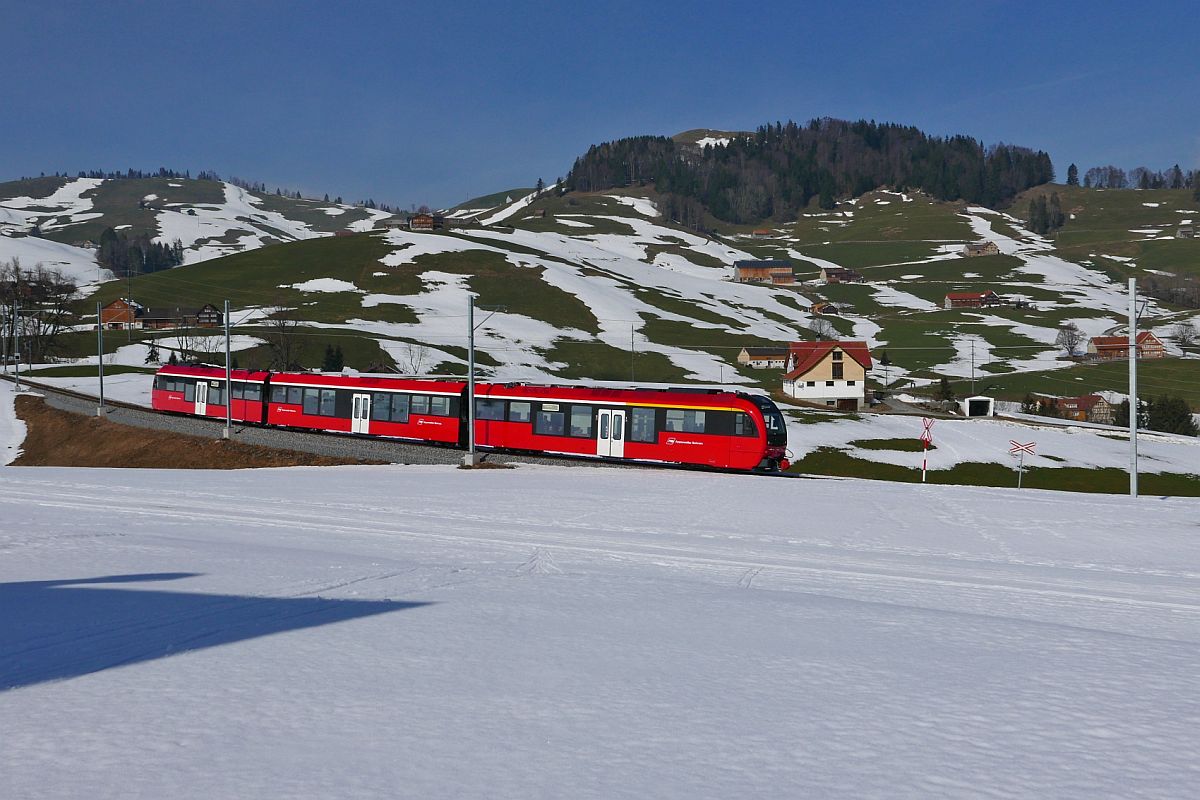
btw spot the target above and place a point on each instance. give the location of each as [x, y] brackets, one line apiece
[1019, 450]
[926, 440]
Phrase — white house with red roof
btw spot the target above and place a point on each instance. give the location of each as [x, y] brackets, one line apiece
[828, 373]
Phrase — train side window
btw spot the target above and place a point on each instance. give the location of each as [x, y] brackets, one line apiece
[518, 411]
[295, 395]
[489, 409]
[328, 402]
[400, 408]
[743, 425]
[312, 401]
[618, 430]
[253, 392]
[439, 406]
[216, 393]
[604, 425]
[239, 390]
[693, 422]
[675, 420]
[550, 423]
[641, 425]
[381, 406]
[278, 394]
[420, 404]
[581, 421]
[189, 391]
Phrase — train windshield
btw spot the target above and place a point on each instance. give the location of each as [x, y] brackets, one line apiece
[776, 428]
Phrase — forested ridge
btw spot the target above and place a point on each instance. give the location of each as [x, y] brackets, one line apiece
[779, 169]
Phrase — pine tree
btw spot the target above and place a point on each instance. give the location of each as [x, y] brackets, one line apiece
[173, 360]
[1072, 175]
[152, 353]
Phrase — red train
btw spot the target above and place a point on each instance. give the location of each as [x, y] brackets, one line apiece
[702, 427]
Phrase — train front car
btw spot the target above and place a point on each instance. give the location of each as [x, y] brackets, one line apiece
[775, 450]
[200, 391]
[697, 427]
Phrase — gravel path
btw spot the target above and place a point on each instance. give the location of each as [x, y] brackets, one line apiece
[321, 444]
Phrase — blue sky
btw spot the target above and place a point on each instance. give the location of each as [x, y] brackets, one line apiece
[437, 102]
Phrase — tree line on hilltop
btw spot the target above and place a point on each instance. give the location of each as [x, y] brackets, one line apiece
[131, 255]
[1110, 177]
[778, 170]
[211, 175]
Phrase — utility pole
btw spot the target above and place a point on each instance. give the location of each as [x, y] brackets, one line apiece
[100, 358]
[1133, 396]
[228, 381]
[16, 323]
[470, 459]
[632, 349]
[972, 366]
[129, 300]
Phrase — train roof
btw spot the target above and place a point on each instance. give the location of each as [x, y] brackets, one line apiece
[210, 371]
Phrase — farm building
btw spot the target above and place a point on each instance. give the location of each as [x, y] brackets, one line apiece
[981, 249]
[763, 357]
[971, 299]
[840, 275]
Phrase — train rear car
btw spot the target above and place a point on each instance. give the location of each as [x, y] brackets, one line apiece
[200, 391]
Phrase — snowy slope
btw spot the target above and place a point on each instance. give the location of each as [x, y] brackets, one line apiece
[12, 429]
[429, 632]
[74, 262]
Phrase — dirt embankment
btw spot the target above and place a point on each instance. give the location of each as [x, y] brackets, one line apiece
[61, 439]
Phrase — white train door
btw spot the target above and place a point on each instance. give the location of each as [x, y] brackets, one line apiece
[201, 398]
[610, 439]
[360, 418]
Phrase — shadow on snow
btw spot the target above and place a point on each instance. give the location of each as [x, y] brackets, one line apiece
[50, 630]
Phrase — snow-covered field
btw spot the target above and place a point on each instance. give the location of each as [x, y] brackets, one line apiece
[430, 632]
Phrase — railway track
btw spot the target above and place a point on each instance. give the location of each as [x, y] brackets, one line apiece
[316, 442]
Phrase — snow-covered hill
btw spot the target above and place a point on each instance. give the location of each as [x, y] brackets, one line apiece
[210, 218]
[590, 633]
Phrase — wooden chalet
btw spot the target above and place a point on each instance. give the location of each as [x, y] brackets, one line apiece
[1107, 348]
[122, 314]
[774, 271]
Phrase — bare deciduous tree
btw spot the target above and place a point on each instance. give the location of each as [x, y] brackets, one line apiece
[1184, 333]
[412, 358]
[823, 329]
[45, 297]
[282, 327]
[1069, 338]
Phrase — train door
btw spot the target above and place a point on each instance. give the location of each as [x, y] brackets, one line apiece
[611, 434]
[201, 398]
[360, 419]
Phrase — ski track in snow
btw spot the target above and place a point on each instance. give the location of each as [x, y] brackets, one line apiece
[693, 640]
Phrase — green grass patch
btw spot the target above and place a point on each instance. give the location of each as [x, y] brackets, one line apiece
[830, 461]
[87, 370]
[33, 188]
[900, 445]
[1172, 376]
[602, 362]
